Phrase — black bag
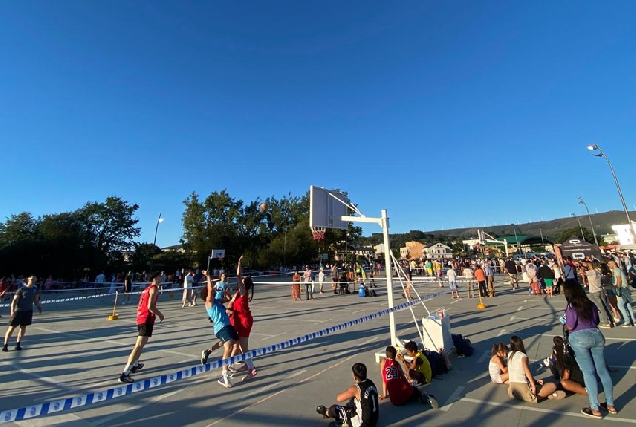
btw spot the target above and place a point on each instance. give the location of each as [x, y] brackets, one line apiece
[436, 360]
[462, 345]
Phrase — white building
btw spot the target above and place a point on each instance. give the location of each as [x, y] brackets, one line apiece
[624, 234]
[439, 251]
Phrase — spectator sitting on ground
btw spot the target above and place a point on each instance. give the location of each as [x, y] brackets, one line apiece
[419, 368]
[394, 381]
[566, 370]
[497, 367]
[522, 385]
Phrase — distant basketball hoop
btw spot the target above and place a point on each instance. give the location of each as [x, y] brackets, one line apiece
[318, 232]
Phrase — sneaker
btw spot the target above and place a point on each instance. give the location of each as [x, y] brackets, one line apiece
[235, 369]
[627, 325]
[322, 410]
[18, 347]
[559, 394]
[434, 403]
[5, 348]
[126, 379]
[204, 356]
[606, 326]
[138, 367]
[251, 373]
[225, 382]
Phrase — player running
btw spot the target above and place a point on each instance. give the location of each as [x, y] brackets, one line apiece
[223, 329]
[147, 312]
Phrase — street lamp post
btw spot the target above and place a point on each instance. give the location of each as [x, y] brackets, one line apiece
[154, 242]
[582, 202]
[514, 229]
[580, 225]
[602, 154]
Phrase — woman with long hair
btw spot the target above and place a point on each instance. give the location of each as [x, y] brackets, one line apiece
[566, 370]
[588, 343]
[521, 383]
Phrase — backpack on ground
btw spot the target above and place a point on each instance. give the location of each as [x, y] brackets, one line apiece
[436, 360]
[462, 345]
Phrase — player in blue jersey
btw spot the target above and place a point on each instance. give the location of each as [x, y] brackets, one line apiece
[223, 329]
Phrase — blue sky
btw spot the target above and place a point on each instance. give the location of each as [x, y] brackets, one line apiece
[444, 113]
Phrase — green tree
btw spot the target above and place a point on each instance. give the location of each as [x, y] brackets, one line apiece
[575, 232]
[110, 225]
[18, 229]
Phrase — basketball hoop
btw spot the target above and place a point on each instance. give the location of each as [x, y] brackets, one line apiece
[318, 232]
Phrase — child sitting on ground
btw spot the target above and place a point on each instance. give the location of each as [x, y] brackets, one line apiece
[565, 368]
[419, 368]
[522, 385]
[394, 381]
[498, 367]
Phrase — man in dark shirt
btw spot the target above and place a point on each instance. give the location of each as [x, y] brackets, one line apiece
[511, 269]
[22, 311]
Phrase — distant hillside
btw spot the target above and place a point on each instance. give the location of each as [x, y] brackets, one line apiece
[602, 225]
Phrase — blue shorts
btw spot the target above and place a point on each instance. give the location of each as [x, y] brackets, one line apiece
[452, 285]
[226, 334]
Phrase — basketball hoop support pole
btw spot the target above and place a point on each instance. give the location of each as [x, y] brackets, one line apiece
[384, 223]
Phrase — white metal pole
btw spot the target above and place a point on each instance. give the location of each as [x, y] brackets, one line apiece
[389, 275]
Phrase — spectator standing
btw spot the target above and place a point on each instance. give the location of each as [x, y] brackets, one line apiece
[623, 294]
[489, 271]
[470, 281]
[588, 343]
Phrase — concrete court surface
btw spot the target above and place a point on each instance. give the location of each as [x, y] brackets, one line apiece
[73, 349]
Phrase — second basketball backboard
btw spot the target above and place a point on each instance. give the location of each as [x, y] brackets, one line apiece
[326, 209]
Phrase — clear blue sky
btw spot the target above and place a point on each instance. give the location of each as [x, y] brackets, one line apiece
[444, 113]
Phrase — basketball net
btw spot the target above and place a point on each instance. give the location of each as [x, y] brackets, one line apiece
[318, 232]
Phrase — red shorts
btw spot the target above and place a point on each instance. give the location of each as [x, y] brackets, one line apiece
[243, 326]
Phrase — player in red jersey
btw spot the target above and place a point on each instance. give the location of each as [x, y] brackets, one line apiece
[241, 319]
[395, 383]
[147, 312]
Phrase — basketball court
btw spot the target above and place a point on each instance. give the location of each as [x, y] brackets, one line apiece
[72, 349]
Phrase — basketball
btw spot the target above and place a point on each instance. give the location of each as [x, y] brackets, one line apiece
[263, 207]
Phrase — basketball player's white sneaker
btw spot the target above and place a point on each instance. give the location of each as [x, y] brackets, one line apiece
[225, 381]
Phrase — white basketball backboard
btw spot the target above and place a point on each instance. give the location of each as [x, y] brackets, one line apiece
[325, 210]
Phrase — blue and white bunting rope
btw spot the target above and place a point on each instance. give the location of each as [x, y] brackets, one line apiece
[63, 405]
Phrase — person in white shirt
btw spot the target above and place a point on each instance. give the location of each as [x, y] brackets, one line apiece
[452, 283]
[321, 279]
[470, 280]
[187, 289]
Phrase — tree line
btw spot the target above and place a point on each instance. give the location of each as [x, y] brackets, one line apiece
[102, 236]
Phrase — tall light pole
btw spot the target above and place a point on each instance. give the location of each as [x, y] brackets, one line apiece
[154, 242]
[602, 154]
[582, 202]
[573, 215]
[514, 229]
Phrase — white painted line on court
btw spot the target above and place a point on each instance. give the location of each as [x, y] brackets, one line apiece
[57, 383]
[119, 343]
[262, 389]
[266, 398]
[525, 300]
[520, 406]
[503, 331]
[512, 318]
[453, 398]
[520, 308]
[484, 356]
[59, 420]
[156, 399]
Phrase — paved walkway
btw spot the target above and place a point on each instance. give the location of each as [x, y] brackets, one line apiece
[73, 349]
